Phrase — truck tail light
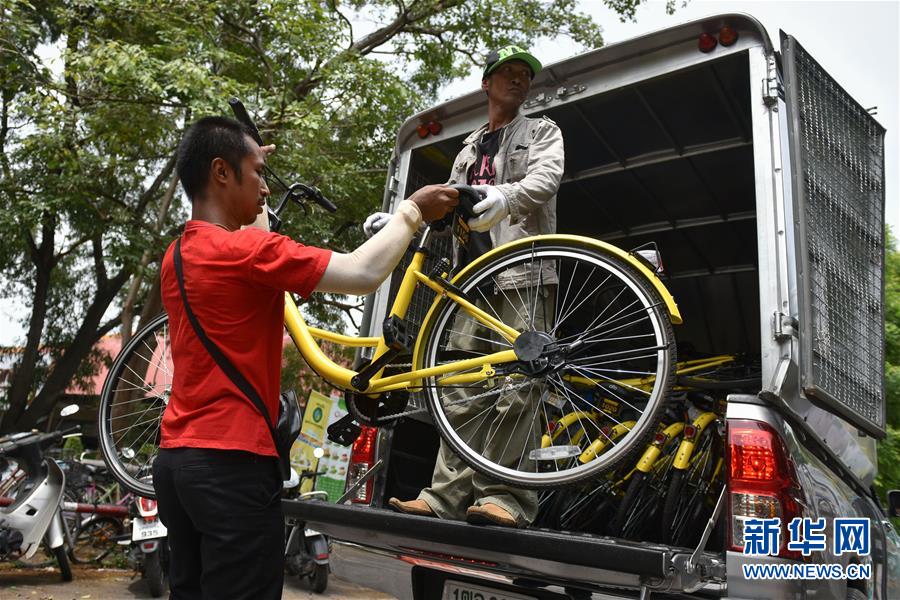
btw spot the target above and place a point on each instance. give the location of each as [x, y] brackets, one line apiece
[362, 457]
[762, 483]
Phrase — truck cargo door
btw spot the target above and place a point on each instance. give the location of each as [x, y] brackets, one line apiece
[837, 170]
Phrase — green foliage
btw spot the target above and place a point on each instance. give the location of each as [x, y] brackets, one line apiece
[72, 447]
[889, 448]
[892, 331]
[94, 97]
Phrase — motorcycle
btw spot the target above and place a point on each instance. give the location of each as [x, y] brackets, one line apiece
[149, 552]
[306, 551]
[31, 498]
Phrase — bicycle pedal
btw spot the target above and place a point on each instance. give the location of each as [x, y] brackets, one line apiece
[397, 334]
[344, 431]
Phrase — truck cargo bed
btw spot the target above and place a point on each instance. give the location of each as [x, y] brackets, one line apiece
[536, 554]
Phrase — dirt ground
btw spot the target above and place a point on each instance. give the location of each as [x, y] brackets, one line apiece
[115, 584]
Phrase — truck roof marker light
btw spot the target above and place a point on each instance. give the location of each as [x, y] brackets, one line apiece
[422, 130]
[434, 127]
[707, 42]
[727, 36]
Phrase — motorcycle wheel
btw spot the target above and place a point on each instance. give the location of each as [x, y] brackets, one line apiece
[62, 559]
[156, 576]
[319, 578]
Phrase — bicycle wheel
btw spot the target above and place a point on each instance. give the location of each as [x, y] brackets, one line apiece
[62, 560]
[134, 396]
[96, 539]
[591, 326]
[688, 499]
[740, 375]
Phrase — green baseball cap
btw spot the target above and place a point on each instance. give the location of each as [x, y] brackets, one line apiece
[507, 53]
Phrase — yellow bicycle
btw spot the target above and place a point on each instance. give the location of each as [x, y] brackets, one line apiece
[587, 317]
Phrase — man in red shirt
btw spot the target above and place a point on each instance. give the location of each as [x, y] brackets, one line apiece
[216, 475]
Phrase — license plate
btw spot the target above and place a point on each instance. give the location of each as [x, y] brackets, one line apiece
[456, 590]
[147, 530]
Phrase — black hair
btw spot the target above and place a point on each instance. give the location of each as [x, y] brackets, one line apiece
[207, 139]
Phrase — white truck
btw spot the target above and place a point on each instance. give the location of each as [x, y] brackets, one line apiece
[762, 183]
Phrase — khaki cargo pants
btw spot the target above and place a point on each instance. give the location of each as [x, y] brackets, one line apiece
[498, 426]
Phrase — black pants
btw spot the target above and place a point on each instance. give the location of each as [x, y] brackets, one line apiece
[226, 529]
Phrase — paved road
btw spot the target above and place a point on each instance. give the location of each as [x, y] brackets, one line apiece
[113, 584]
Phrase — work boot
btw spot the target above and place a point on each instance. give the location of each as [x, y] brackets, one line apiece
[412, 507]
[490, 514]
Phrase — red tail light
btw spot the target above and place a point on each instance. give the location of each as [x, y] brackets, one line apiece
[761, 481]
[422, 130]
[727, 36]
[707, 43]
[146, 507]
[362, 457]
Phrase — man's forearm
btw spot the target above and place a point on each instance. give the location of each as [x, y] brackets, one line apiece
[364, 269]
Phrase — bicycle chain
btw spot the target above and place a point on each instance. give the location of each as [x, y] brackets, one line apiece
[414, 411]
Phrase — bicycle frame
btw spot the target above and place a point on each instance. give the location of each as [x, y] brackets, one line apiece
[305, 337]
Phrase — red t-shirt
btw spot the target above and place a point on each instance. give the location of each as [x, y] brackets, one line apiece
[235, 283]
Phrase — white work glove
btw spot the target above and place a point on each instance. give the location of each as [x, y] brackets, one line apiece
[375, 223]
[491, 210]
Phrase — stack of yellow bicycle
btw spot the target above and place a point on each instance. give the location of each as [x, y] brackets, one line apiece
[669, 492]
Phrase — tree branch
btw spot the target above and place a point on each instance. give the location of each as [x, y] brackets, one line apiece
[99, 265]
[255, 44]
[333, 5]
[150, 192]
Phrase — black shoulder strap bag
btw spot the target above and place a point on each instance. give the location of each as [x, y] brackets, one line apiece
[288, 427]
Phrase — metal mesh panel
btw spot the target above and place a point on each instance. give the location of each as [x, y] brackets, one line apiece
[840, 197]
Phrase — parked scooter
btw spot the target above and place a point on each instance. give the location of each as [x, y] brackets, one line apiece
[306, 551]
[149, 552]
[32, 512]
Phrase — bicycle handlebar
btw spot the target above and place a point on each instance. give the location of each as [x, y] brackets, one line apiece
[36, 438]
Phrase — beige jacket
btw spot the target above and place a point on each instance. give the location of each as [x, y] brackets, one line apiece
[529, 166]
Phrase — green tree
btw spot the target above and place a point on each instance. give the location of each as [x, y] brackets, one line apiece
[892, 331]
[889, 448]
[94, 97]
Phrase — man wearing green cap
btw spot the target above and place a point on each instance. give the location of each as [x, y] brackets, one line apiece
[516, 163]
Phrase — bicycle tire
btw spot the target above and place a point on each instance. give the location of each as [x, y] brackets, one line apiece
[635, 488]
[739, 375]
[62, 560]
[621, 287]
[155, 572]
[639, 493]
[319, 579]
[137, 370]
[95, 540]
[675, 532]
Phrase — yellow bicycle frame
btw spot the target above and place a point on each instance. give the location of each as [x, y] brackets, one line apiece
[686, 448]
[648, 459]
[305, 337]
